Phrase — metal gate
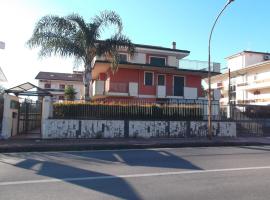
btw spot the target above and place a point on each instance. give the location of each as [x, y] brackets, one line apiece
[29, 121]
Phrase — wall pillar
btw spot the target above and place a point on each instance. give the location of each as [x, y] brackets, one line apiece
[47, 112]
[10, 116]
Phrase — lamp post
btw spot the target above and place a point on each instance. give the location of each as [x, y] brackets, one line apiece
[209, 72]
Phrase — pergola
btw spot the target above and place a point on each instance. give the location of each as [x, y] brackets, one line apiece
[28, 89]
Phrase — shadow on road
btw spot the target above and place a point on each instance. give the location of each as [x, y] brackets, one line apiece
[145, 158]
[117, 187]
[60, 165]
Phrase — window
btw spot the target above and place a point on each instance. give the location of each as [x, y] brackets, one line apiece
[123, 57]
[70, 86]
[161, 80]
[148, 78]
[61, 98]
[157, 61]
[62, 86]
[47, 85]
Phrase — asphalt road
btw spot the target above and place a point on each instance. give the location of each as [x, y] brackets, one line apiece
[213, 173]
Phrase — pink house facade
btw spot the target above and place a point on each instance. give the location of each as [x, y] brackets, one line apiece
[153, 73]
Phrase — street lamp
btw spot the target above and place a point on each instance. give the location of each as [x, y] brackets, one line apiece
[209, 72]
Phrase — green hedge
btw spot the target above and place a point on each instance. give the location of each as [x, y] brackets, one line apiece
[134, 111]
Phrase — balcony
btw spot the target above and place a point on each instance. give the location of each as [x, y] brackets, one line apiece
[255, 86]
[119, 87]
[198, 65]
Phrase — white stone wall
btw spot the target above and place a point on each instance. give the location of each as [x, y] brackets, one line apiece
[143, 129]
[224, 129]
[83, 129]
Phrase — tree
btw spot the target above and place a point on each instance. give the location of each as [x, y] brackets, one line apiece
[70, 93]
[71, 36]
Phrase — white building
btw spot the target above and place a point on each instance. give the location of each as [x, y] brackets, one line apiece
[249, 79]
[56, 83]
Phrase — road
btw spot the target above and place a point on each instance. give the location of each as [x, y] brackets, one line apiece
[207, 173]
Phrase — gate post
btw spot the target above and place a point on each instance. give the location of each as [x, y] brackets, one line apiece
[10, 116]
[47, 111]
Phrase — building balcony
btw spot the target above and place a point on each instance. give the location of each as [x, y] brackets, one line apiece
[131, 89]
[108, 88]
[255, 86]
[198, 65]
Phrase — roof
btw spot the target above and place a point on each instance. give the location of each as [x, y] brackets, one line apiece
[27, 89]
[156, 47]
[255, 52]
[2, 76]
[161, 48]
[59, 76]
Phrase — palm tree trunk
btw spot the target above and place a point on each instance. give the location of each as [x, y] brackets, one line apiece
[87, 78]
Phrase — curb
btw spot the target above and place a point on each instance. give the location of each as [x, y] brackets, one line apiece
[83, 147]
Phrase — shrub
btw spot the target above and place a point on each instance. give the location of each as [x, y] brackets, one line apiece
[70, 93]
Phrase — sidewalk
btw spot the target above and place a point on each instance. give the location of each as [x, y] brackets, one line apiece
[25, 145]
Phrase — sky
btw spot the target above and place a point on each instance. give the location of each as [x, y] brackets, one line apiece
[243, 26]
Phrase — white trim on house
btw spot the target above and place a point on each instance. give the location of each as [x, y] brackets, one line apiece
[146, 96]
[117, 94]
[175, 97]
[179, 55]
[153, 78]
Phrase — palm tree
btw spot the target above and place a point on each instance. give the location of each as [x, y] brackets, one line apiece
[71, 36]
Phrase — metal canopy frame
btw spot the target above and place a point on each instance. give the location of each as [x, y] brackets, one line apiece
[24, 90]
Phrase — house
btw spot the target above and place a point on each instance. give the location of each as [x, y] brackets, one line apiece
[249, 79]
[153, 73]
[56, 83]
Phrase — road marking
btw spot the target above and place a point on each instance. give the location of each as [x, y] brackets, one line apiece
[118, 158]
[52, 180]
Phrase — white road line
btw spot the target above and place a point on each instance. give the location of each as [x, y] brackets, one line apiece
[130, 176]
[118, 158]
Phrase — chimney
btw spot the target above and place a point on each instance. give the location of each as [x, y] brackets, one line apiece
[174, 45]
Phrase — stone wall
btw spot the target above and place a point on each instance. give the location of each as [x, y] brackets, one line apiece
[55, 128]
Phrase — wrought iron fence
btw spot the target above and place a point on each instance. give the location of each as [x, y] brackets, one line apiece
[135, 109]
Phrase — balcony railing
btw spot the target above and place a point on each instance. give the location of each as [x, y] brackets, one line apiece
[120, 87]
[198, 65]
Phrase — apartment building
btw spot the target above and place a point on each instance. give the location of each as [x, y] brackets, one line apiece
[56, 83]
[249, 79]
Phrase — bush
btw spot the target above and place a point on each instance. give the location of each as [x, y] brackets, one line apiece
[117, 110]
[70, 93]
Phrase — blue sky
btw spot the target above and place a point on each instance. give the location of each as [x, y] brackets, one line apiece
[243, 26]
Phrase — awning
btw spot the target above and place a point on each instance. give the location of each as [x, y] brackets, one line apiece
[28, 89]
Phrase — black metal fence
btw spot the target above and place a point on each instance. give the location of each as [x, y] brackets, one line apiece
[135, 109]
[30, 117]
